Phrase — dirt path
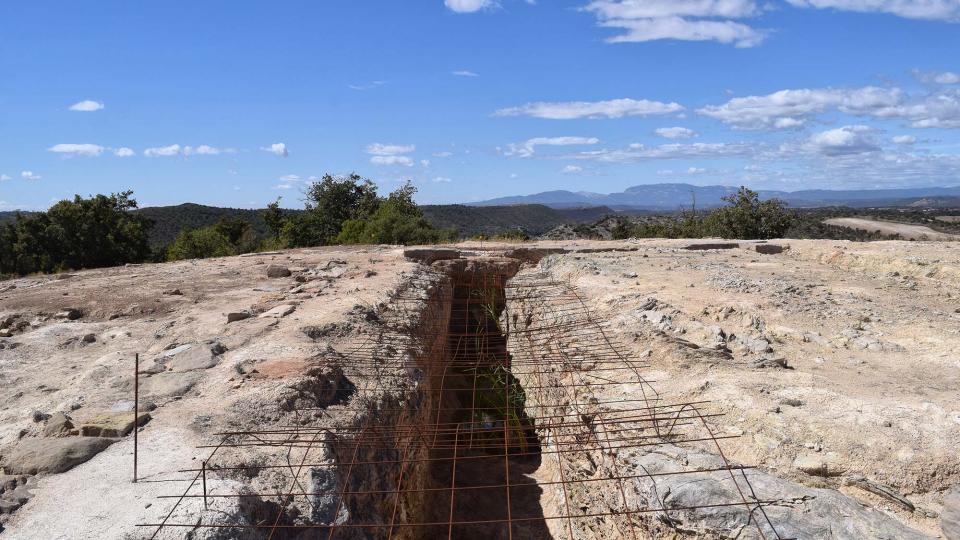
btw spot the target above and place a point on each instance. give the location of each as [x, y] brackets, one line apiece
[905, 230]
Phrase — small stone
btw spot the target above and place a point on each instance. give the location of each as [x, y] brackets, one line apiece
[89, 338]
[6, 332]
[238, 316]
[173, 292]
[278, 312]
[819, 464]
[39, 416]
[768, 362]
[277, 271]
[71, 314]
[792, 402]
[59, 424]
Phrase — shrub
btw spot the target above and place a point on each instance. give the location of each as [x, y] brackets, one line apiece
[200, 244]
[397, 220]
[748, 218]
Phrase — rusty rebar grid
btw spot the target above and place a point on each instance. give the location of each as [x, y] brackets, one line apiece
[501, 399]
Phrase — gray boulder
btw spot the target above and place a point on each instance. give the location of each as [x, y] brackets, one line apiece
[794, 510]
[51, 456]
[277, 271]
[950, 516]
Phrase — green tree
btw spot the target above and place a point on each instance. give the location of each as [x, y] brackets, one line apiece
[330, 202]
[273, 216]
[200, 244]
[397, 220]
[82, 233]
[747, 217]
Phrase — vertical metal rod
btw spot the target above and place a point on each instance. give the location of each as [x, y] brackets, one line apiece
[203, 471]
[136, 410]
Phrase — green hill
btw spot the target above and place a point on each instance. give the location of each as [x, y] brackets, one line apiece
[532, 219]
[170, 220]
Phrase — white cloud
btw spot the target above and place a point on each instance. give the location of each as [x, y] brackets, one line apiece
[938, 110]
[944, 10]
[163, 151]
[87, 105]
[287, 181]
[937, 77]
[442, 154]
[391, 154]
[392, 160]
[570, 110]
[726, 32]
[572, 169]
[88, 150]
[363, 87]
[124, 152]
[378, 149]
[202, 150]
[464, 73]
[529, 147]
[425, 162]
[843, 141]
[29, 175]
[468, 6]
[904, 139]
[690, 171]
[279, 149]
[686, 20]
[442, 180]
[639, 152]
[788, 109]
[4, 178]
[676, 133]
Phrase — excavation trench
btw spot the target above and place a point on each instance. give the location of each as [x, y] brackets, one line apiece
[487, 446]
[444, 447]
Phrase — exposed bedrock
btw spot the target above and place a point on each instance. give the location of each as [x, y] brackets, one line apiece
[703, 503]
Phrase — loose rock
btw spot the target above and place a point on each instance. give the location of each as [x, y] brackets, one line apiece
[59, 424]
[51, 456]
[277, 271]
[238, 316]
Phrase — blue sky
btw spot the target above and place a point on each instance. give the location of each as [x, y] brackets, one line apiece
[234, 103]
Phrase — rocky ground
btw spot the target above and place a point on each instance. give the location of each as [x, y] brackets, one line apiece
[835, 363]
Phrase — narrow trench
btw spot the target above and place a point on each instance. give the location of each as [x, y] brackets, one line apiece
[488, 446]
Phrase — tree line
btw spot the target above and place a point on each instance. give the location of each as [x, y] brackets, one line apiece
[103, 230]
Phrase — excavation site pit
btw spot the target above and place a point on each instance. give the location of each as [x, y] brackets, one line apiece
[490, 392]
[485, 400]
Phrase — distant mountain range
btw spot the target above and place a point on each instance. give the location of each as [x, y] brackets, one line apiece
[676, 196]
